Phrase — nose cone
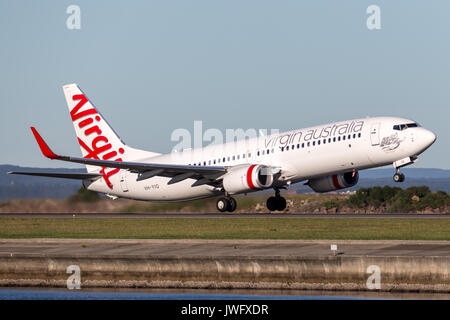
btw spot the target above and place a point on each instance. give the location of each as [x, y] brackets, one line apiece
[428, 137]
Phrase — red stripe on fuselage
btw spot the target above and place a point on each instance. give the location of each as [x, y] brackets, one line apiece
[249, 177]
[336, 182]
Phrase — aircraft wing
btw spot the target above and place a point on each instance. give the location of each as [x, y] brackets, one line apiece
[65, 175]
[145, 170]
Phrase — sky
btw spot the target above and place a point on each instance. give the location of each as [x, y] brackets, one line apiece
[152, 67]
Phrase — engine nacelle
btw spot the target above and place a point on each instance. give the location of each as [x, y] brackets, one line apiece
[247, 178]
[334, 182]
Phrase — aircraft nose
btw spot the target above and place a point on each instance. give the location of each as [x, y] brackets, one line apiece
[429, 137]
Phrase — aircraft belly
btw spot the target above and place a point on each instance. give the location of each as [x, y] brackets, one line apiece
[152, 189]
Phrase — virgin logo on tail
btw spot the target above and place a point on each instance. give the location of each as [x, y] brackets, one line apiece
[98, 145]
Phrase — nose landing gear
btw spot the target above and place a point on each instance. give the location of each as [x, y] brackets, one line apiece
[277, 203]
[398, 176]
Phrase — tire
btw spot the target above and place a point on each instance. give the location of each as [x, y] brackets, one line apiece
[232, 204]
[222, 204]
[272, 204]
[402, 177]
[398, 177]
[281, 203]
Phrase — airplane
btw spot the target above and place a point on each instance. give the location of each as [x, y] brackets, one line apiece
[328, 157]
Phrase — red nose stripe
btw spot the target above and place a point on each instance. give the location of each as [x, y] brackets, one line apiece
[336, 182]
[249, 177]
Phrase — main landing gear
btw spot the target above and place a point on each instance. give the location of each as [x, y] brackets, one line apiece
[277, 203]
[226, 204]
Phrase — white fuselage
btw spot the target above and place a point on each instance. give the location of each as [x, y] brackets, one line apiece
[300, 154]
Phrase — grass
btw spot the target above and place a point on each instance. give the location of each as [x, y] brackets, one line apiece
[228, 228]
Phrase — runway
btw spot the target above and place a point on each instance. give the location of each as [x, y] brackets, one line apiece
[219, 248]
[230, 215]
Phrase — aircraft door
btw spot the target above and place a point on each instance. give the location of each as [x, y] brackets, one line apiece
[123, 180]
[375, 134]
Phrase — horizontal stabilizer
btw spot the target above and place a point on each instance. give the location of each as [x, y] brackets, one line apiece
[78, 176]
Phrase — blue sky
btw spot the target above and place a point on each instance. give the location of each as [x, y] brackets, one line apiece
[154, 66]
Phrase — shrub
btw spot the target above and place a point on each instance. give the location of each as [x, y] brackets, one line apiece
[331, 204]
[399, 200]
[84, 195]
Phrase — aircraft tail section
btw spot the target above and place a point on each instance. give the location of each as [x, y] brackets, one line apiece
[95, 136]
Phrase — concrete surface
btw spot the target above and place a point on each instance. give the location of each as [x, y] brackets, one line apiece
[230, 248]
[275, 264]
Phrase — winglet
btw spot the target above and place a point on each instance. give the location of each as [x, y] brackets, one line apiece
[44, 147]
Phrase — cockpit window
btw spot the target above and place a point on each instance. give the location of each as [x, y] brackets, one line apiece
[406, 126]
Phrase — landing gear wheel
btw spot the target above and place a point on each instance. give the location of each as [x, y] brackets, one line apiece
[272, 204]
[399, 177]
[281, 203]
[222, 204]
[231, 204]
[276, 203]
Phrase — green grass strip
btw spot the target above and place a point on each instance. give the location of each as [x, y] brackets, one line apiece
[228, 228]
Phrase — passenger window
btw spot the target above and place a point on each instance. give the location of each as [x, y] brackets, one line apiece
[324, 141]
[214, 161]
[343, 137]
[314, 142]
[287, 148]
[334, 139]
[349, 136]
[339, 138]
[282, 149]
[303, 145]
[359, 135]
[243, 156]
[309, 143]
[318, 141]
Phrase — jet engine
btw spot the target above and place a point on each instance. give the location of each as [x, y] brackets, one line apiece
[247, 178]
[334, 182]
